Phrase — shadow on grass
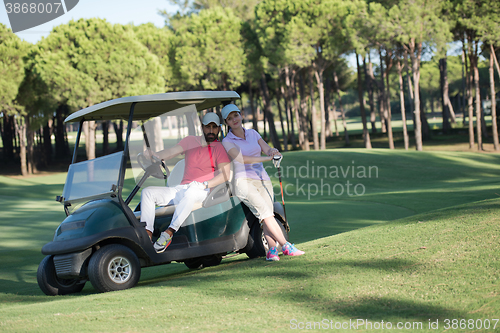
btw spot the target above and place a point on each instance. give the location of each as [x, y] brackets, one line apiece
[296, 286]
[385, 309]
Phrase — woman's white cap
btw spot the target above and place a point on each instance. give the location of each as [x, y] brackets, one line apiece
[228, 109]
[211, 117]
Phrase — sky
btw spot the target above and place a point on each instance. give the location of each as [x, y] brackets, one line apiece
[114, 11]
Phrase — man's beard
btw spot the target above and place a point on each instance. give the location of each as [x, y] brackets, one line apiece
[210, 137]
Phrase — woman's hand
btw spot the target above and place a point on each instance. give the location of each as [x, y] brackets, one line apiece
[273, 151]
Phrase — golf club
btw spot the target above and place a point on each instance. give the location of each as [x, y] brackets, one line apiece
[277, 162]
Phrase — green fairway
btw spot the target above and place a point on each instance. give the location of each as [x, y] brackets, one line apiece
[406, 237]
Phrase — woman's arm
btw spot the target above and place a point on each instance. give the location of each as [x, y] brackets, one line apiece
[268, 150]
[235, 155]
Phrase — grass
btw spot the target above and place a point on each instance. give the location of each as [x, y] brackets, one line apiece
[421, 244]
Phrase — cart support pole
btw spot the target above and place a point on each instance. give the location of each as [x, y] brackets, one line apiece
[123, 165]
[77, 143]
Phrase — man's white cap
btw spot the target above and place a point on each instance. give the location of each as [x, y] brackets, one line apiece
[228, 109]
[211, 117]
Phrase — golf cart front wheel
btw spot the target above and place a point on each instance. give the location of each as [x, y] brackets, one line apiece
[51, 284]
[114, 267]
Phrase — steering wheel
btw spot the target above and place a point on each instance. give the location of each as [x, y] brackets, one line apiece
[153, 166]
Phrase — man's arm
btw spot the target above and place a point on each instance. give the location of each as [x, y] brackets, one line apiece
[165, 154]
[222, 177]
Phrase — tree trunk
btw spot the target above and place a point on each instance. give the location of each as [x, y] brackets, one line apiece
[426, 131]
[280, 113]
[473, 62]
[20, 125]
[337, 88]
[444, 106]
[303, 113]
[105, 137]
[8, 137]
[268, 113]
[264, 121]
[369, 88]
[61, 148]
[366, 134]
[319, 81]
[252, 107]
[30, 147]
[402, 104]
[385, 100]
[410, 88]
[493, 100]
[495, 60]
[331, 107]
[380, 99]
[89, 130]
[298, 112]
[328, 102]
[415, 55]
[118, 127]
[446, 93]
[464, 84]
[153, 129]
[47, 142]
[470, 107]
[292, 108]
[314, 115]
[284, 96]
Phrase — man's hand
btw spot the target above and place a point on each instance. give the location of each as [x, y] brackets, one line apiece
[197, 185]
[150, 155]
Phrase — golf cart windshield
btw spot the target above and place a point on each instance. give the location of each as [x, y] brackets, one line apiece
[92, 179]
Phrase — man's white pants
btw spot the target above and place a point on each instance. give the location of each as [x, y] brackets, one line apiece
[183, 196]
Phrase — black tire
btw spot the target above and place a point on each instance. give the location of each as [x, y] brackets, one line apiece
[114, 267]
[201, 262]
[51, 285]
[257, 244]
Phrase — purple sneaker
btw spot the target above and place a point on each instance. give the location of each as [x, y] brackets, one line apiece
[291, 250]
[272, 254]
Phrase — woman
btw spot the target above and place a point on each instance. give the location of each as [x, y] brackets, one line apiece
[253, 185]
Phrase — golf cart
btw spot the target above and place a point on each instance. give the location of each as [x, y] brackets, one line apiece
[102, 238]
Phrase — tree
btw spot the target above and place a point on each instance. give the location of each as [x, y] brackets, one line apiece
[159, 42]
[243, 9]
[87, 62]
[368, 29]
[316, 37]
[209, 51]
[477, 21]
[13, 114]
[413, 23]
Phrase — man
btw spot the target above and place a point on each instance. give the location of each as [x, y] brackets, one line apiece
[206, 166]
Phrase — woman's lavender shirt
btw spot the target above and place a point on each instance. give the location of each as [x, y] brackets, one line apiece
[247, 147]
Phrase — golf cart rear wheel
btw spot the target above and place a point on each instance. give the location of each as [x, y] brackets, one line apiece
[52, 285]
[206, 261]
[257, 244]
[114, 267]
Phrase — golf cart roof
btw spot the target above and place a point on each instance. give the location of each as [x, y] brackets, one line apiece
[149, 106]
